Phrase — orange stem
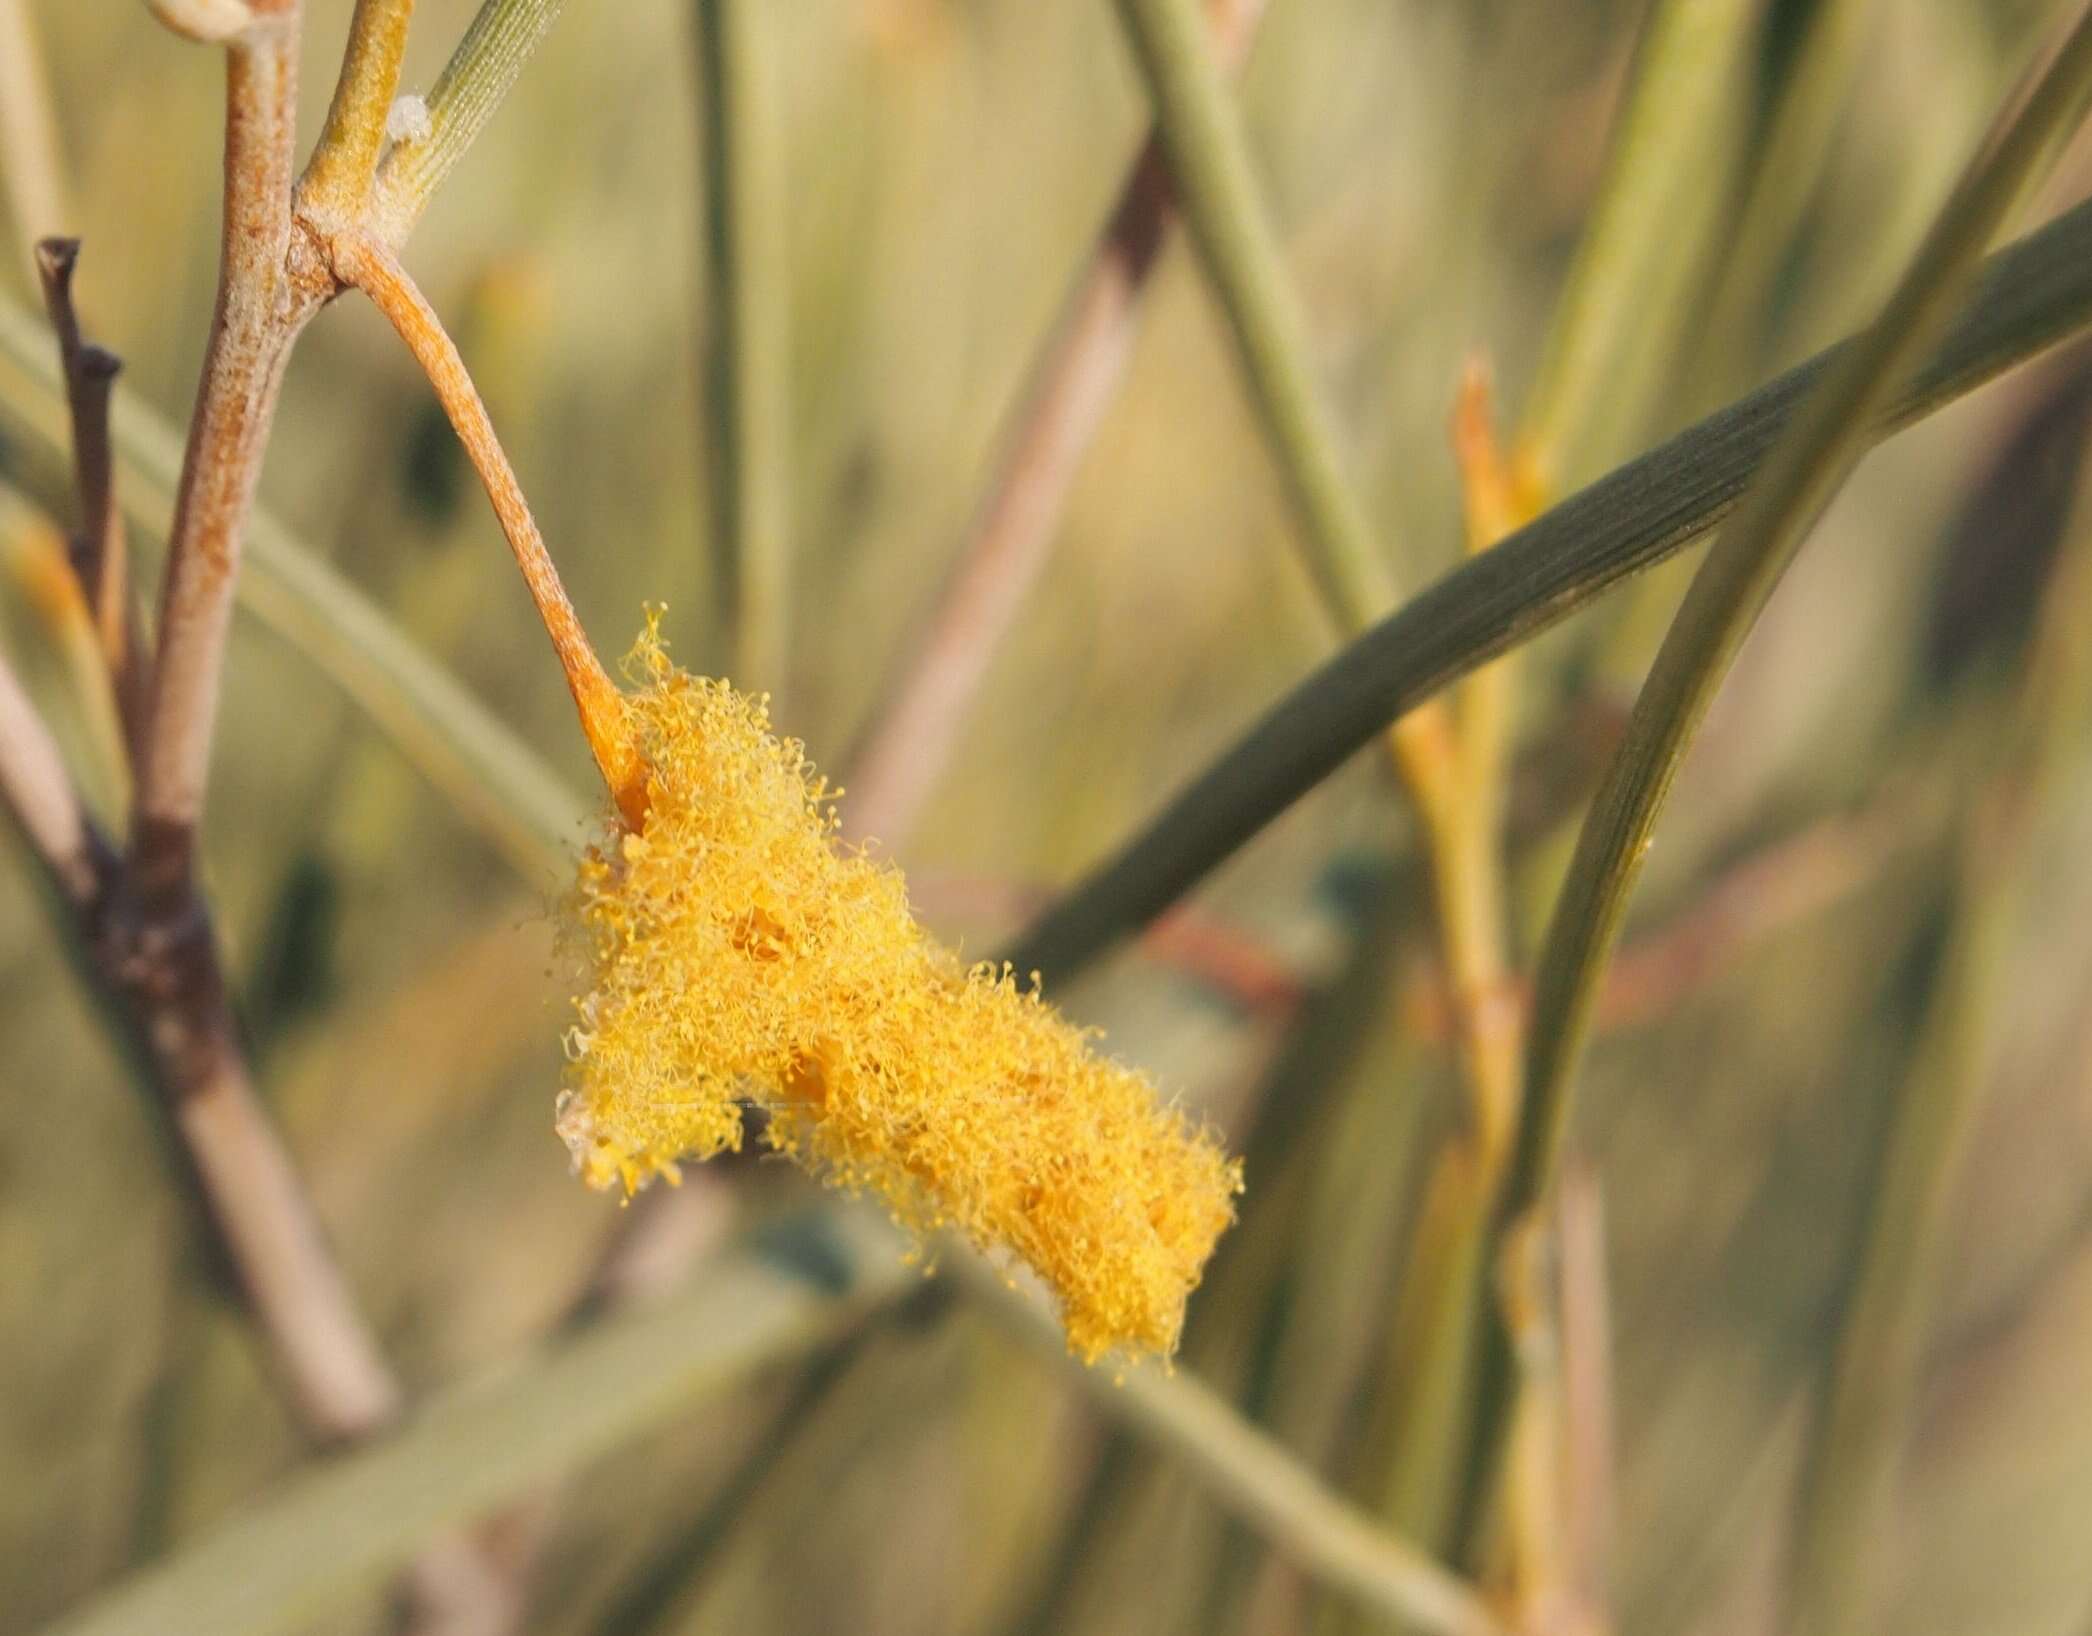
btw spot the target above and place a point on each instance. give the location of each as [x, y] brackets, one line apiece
[376, 271]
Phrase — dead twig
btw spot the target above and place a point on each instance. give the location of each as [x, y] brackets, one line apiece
[100, 559]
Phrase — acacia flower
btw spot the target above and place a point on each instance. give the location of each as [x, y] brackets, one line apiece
[737, 955]
[740, 955]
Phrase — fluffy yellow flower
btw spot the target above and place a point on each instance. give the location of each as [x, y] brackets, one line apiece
[738, 954]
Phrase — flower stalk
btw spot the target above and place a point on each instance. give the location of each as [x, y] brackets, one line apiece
[370, 266]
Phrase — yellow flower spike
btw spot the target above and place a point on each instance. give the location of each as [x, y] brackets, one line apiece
[738, 955]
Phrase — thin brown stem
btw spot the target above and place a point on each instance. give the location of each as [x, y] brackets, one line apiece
[264, 300]
[100, 557]
[914, 725]
[337, 180]
[371, 267]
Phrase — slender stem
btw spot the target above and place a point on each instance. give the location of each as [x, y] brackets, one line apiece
[1251, 1476]
[1700, 310]
[1493, 503]
[260, 310]
[105, 566]
[2033, 295]
[344, 164]
[147, 931]
[746, 340]
[1532, 1524]
[28, 133]
[913, 728]
[489, 59]
[153, 943]
[101, 558]
[1436, 1329]
[372, 268]
[1468, 864]
[152, 950]
[1435, 1332]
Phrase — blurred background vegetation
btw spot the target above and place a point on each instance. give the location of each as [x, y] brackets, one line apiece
[946, 164]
